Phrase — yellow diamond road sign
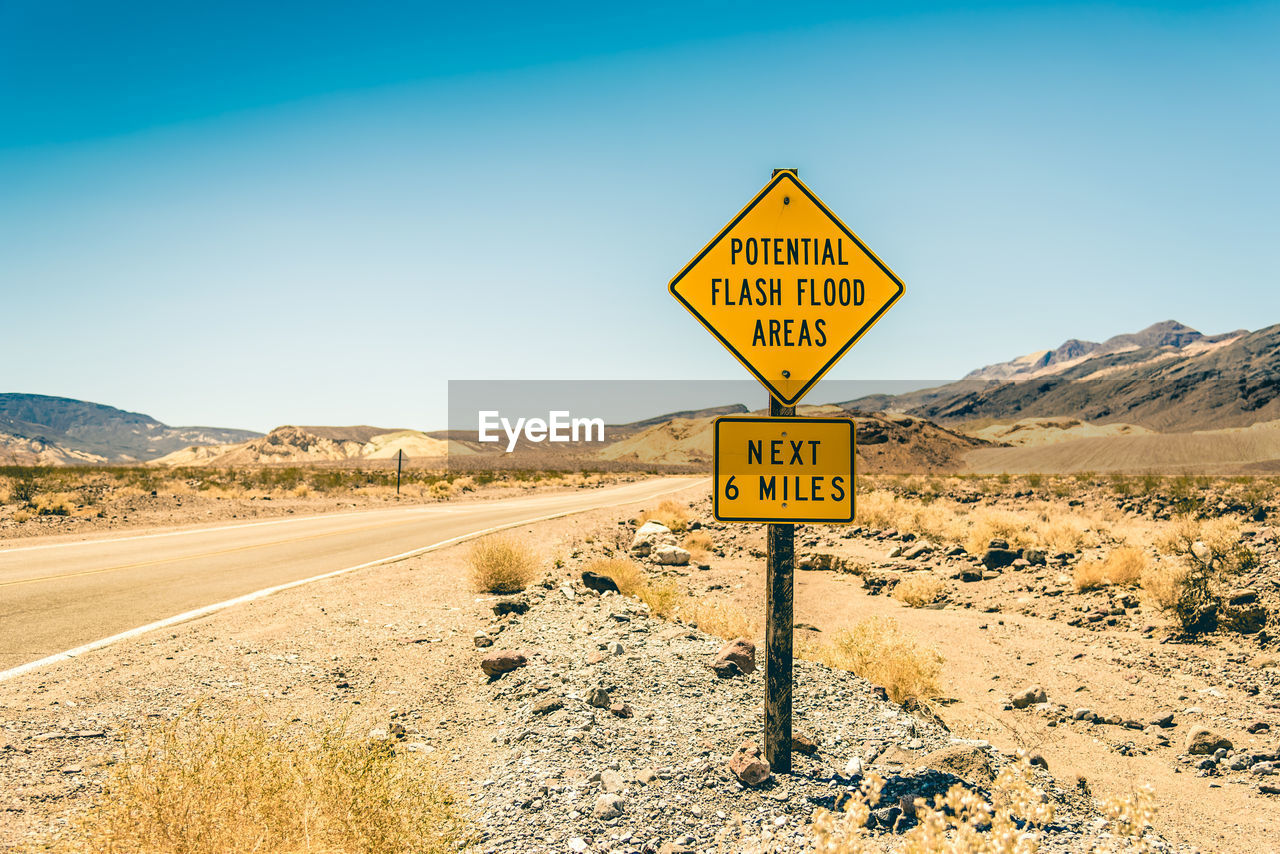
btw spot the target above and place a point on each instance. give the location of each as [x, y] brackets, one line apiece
[783, 469]
[787, 287]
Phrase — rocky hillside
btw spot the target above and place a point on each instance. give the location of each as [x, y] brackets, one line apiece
[1167, 378]
[291, 444]
[36, 429]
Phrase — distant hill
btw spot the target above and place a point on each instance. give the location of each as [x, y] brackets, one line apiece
[38, 429]
[1167, 378]
[291, 444]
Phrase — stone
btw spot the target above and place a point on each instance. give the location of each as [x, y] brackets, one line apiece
[1165, 721]
[547, 705]
[1029, 696]
[995, 558]
[620, 710]
[599, 698]
[482, 639]
[649, 535]
[853, 768]
[803, 744]
[966, 761]
[1082, 715]
[918, 550]
[578, 845]
[646, 776]
[1259, 726]
[671, 556]
[503, 607]
[1203, 741]
[969, 574]
[1035, 557]
[748, 764]
[674, 848]
[608, 806]
[896, 551]
[611, 781]
[503, 661]
[741, 652]
[726, 669]
[596, 581]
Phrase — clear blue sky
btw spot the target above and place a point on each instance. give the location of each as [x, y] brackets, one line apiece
[250, 214]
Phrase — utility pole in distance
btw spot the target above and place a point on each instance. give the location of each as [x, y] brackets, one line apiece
[399, 464]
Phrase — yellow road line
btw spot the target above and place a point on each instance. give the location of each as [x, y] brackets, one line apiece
[203, 554]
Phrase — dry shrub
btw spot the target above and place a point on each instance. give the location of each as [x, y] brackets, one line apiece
[698, 544]
[1124, 566]
[301, 491]
[209, 787]
[919, 590]
[55, 504]
[661, 596]
[1065, 535]
[997, 524]
[441, 489]
[1162, 583]
[670, 513]
[879, 651]
[721, 618]
[21, 516]
[960, 822]
[501, 564]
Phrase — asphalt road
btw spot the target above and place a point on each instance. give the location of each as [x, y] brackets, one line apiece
[57, 597]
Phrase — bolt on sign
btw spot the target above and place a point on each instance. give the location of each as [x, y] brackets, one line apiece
[787, 287]
[783, 469]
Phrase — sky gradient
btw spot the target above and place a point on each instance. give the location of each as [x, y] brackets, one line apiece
[321, 213]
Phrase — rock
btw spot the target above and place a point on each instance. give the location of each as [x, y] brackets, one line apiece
[741, 652]
[822, 561]
[918, 550]
[620, 710]
[1029, 696]
[503, 607]
[504, 661]
[1082, 715]
[671, 556]
[726, 669]
[1201, 741]
[646, 776]
[997, 558]
[1245, 620]
[968, 762]
[997, 543]
[853, 768]
[674, 848]
[1242, 597]
[803, 744]
[599, 698]
[896, 551]
[1259, 726]
[649, 535]
[1035, 557]
[607, 807]
[547, 705]
[969, 574]
[482, 639]
[748, 765]
[596, 581]
[611, 781]
[1038, 760]
[616, 648]
[578, 845]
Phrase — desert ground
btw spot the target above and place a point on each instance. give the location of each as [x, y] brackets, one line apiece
[1100, 645]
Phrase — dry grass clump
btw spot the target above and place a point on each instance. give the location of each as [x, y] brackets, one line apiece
[441, 489]
[501, 564]
[721, 618]
[670, 513]
[223, 787]
[988, 524]
[1162, 584]
[919, 590]
[1123, 567]
[55, 504]
[1065, 535]
[661, 596]
[879, 651]
[698, 544]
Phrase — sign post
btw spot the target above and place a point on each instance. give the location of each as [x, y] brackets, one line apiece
[779, 617]
[788, 289]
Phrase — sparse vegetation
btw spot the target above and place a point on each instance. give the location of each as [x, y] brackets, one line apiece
[501, 564]
[722, 619]
[698, 544]
[879, 651]
[662, 597]
[919, 590]
[1124, 566]
[670, 513]
[227, 787]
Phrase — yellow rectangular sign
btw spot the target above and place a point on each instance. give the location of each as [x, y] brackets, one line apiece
[783, 469]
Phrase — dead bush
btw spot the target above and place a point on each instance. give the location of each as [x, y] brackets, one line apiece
[721, 618]
[670, 513]
[209, 787]
[879, 651]
[917, 591]
[698, 544]
[661, 596]
[1124, 567]
[501, 564]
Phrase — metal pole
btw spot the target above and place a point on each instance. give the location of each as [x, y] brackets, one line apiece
[399, 463]
[779, 612]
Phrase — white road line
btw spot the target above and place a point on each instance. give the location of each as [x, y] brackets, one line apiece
[13, 672]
